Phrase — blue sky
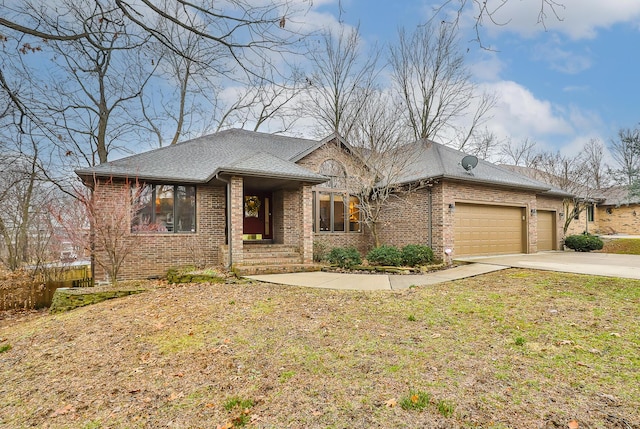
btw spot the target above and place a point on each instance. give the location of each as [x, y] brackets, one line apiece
[576, 79]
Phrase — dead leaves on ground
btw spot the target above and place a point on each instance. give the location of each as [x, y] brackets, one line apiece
[62, 411]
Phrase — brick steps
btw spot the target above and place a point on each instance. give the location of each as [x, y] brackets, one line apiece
[271, 254]
[252, 270]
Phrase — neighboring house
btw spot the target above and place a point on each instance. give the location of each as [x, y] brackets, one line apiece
[618, 212]
[604, 211]
[246, 199]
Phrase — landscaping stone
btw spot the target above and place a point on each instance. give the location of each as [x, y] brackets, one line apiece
[66, 299]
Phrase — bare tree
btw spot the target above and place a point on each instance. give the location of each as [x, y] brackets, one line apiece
[377, 138]
[346, 102]
[104, 232]
[568, 174]
[485, 12]
[593, 158]
[341, 81]
[227, 24]
[23, 199]
[104, 54]
[181, 93]
[429, 72]
[522, 154]
[484, 145]
[264, 100]
[626, 153]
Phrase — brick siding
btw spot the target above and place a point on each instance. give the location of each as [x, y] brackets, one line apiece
[618, 220]
[313, 161]
[154, 253]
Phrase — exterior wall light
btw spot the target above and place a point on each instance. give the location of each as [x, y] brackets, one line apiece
[452, 207]
[534, 212]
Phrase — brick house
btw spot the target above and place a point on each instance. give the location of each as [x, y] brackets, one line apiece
[247, 200]
[617, 212]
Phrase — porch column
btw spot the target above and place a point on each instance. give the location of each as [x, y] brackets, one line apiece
[307, 225]
[237, 219]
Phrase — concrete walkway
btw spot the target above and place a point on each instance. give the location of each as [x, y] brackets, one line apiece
[326, 280]
[599, 264]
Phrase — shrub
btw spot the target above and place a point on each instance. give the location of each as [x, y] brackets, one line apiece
[344, 257]
[385, 255]
[583, 242]
[319, 251]
[416, 254]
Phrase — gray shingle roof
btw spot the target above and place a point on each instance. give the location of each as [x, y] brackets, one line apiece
[619, 196]
[200, 159]
[251, 153]
[430, 160]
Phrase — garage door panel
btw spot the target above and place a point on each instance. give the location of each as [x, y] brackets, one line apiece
[546, 230]
[486, 229]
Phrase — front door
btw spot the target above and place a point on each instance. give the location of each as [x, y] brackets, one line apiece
[257, 215]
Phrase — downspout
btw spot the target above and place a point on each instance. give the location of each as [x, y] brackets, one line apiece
[430, 224]
[228, 222]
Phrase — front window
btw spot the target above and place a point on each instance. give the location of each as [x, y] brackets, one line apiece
[336, 212]
[590, 213]
[164, 208]
[354, 214]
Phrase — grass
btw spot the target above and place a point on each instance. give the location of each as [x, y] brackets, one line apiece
[623, 246]
[515, 348]
[415, 400]
[237, 402]
[445, 408]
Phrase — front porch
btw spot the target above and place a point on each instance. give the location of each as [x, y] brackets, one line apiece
[270, 226]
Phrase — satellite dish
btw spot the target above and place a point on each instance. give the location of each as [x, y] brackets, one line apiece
[469, 162]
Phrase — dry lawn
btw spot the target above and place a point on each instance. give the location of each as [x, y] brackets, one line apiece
[513, 349]
[623, 246]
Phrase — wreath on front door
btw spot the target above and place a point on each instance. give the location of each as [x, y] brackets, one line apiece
[251, 206]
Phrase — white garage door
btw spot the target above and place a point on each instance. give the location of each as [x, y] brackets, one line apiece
[488, 230]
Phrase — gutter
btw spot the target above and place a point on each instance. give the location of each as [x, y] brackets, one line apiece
[229, 240]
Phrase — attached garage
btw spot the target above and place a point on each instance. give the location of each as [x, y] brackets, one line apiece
[546, 230]
[489, 229]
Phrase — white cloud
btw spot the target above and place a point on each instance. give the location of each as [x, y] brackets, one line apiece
[488, 68]
[313, 19]
[579, 19]
[519, 114]
[563, 60]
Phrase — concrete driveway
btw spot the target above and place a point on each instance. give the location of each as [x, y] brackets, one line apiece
[599, 264]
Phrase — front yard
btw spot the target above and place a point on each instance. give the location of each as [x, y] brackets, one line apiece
[513, 349]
